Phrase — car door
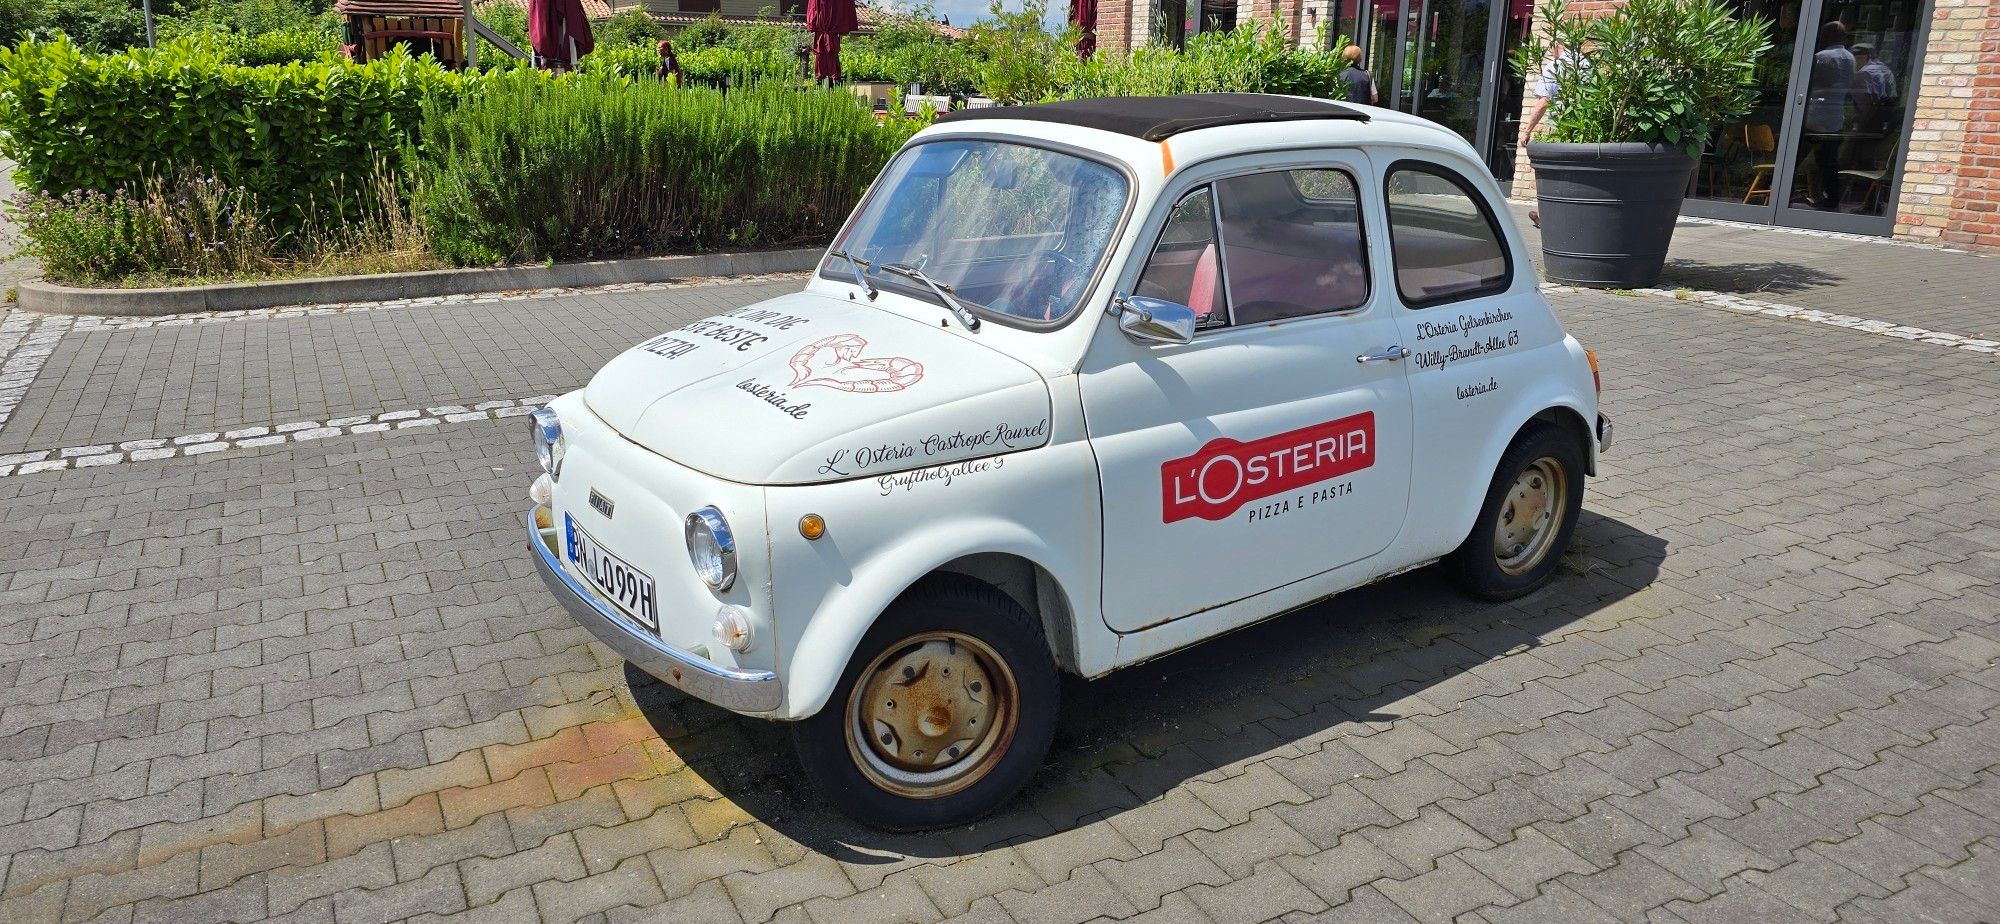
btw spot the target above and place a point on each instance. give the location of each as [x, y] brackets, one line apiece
[1275, 447]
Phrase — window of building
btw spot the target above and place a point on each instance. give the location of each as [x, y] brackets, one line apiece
[1446, 244]
[701, 6]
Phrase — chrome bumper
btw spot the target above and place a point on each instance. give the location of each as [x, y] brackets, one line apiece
[735, 690]
[1603, 433]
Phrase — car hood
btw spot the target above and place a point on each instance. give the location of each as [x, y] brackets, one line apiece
[806, 388]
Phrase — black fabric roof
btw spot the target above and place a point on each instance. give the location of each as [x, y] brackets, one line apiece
[1155, 118]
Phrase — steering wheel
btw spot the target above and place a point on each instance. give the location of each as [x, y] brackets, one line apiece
[1041, 291]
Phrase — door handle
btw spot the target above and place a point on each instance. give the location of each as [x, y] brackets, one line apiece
[1389, 355]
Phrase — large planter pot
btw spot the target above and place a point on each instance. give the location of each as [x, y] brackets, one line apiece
[1608, 210]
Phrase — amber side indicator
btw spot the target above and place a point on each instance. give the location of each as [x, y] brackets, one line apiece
[812, 526]
[1596, 380]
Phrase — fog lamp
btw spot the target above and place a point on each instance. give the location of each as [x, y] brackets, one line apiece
[732, 627]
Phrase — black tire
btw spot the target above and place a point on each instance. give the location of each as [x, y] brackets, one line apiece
[854, 779]
[1477, 566]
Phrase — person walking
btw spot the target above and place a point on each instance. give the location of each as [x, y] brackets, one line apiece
[1360, 85]
[1545, 94]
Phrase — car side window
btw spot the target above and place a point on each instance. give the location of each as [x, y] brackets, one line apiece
[1291, 244]
[1185, 266]
[1445, 242]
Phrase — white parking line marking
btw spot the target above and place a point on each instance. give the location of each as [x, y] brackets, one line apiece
[196, 444]
[1742, 305]
[103, 322]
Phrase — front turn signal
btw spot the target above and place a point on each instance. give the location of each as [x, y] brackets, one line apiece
[1596, 380]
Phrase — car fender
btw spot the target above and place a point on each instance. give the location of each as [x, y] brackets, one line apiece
[847, 611]
[1541, 393]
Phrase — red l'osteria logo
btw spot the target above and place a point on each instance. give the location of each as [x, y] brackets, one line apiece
[1226, 474]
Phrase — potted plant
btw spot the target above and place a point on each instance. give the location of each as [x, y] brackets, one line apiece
[1636, 92]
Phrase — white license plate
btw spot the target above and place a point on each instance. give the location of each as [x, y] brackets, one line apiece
[629, 588]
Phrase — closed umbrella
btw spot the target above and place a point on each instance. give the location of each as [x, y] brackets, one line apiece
[558, 31]
[828, 20]
[1083, 15]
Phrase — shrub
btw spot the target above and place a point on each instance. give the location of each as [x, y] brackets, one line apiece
[106, 25]
[301, 137]
[1660, 71]
[195, 229]
[1251, 58]
[632, 27]
[1018, 61]
[589, 166]
[907, 48]
[708, 33]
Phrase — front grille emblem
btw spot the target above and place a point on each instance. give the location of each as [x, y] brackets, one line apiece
[600, 503]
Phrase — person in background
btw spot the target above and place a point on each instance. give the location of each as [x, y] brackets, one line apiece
[1545, 93]
[1874, 90]
[1360, 86]
[670, 63]
[1828, 90]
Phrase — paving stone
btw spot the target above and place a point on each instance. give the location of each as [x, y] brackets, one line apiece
[1771, 694]
[1265, 894]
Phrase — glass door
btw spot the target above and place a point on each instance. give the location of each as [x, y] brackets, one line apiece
[1443, 60]
[1850, 101]
[1822, 147]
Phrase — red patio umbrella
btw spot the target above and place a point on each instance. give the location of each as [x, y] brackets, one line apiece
[828, 20]
[1083, 15]
[558, 31]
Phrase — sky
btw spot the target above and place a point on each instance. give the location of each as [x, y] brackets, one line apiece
[964, 12]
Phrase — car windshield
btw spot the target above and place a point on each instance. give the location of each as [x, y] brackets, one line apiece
[1009, 229]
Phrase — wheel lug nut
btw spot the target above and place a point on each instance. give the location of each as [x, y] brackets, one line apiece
[975, 686]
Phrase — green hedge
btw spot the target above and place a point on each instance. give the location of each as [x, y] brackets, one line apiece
[303, 137]
[1251, 58]
[588, 166]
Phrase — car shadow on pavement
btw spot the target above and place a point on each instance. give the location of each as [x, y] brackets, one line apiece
[1748, 279]
[1203, 712]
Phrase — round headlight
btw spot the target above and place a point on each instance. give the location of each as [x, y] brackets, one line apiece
[546, 431]
[711, 548]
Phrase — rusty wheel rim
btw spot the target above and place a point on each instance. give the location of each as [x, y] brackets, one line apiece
[1530, 516]
[932, 715]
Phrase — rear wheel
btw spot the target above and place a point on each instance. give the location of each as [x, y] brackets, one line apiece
[1528, 519]
[944, 712]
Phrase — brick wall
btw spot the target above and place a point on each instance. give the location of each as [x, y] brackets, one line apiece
[1114, 22]
[1951, 187]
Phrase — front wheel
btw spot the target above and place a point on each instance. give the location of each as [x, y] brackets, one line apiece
[944, 712]
[1525, 525]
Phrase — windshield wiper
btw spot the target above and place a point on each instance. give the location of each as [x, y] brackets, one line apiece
[905, 270]
[857, 264]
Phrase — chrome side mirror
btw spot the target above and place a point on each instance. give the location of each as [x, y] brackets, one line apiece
[1153, 320]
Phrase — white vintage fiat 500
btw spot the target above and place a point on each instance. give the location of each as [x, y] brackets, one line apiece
[1077, 385]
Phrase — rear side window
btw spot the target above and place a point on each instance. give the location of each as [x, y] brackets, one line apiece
[1446, 244]
[1291, 244]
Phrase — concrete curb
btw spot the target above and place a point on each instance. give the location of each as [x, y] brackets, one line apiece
[51, 298]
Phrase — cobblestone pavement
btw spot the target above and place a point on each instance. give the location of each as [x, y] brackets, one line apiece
[318, 681]
[1924, 286]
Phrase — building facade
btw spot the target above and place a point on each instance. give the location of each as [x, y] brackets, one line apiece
[1876, 117]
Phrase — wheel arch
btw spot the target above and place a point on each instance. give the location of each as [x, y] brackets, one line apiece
[1010, 559]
